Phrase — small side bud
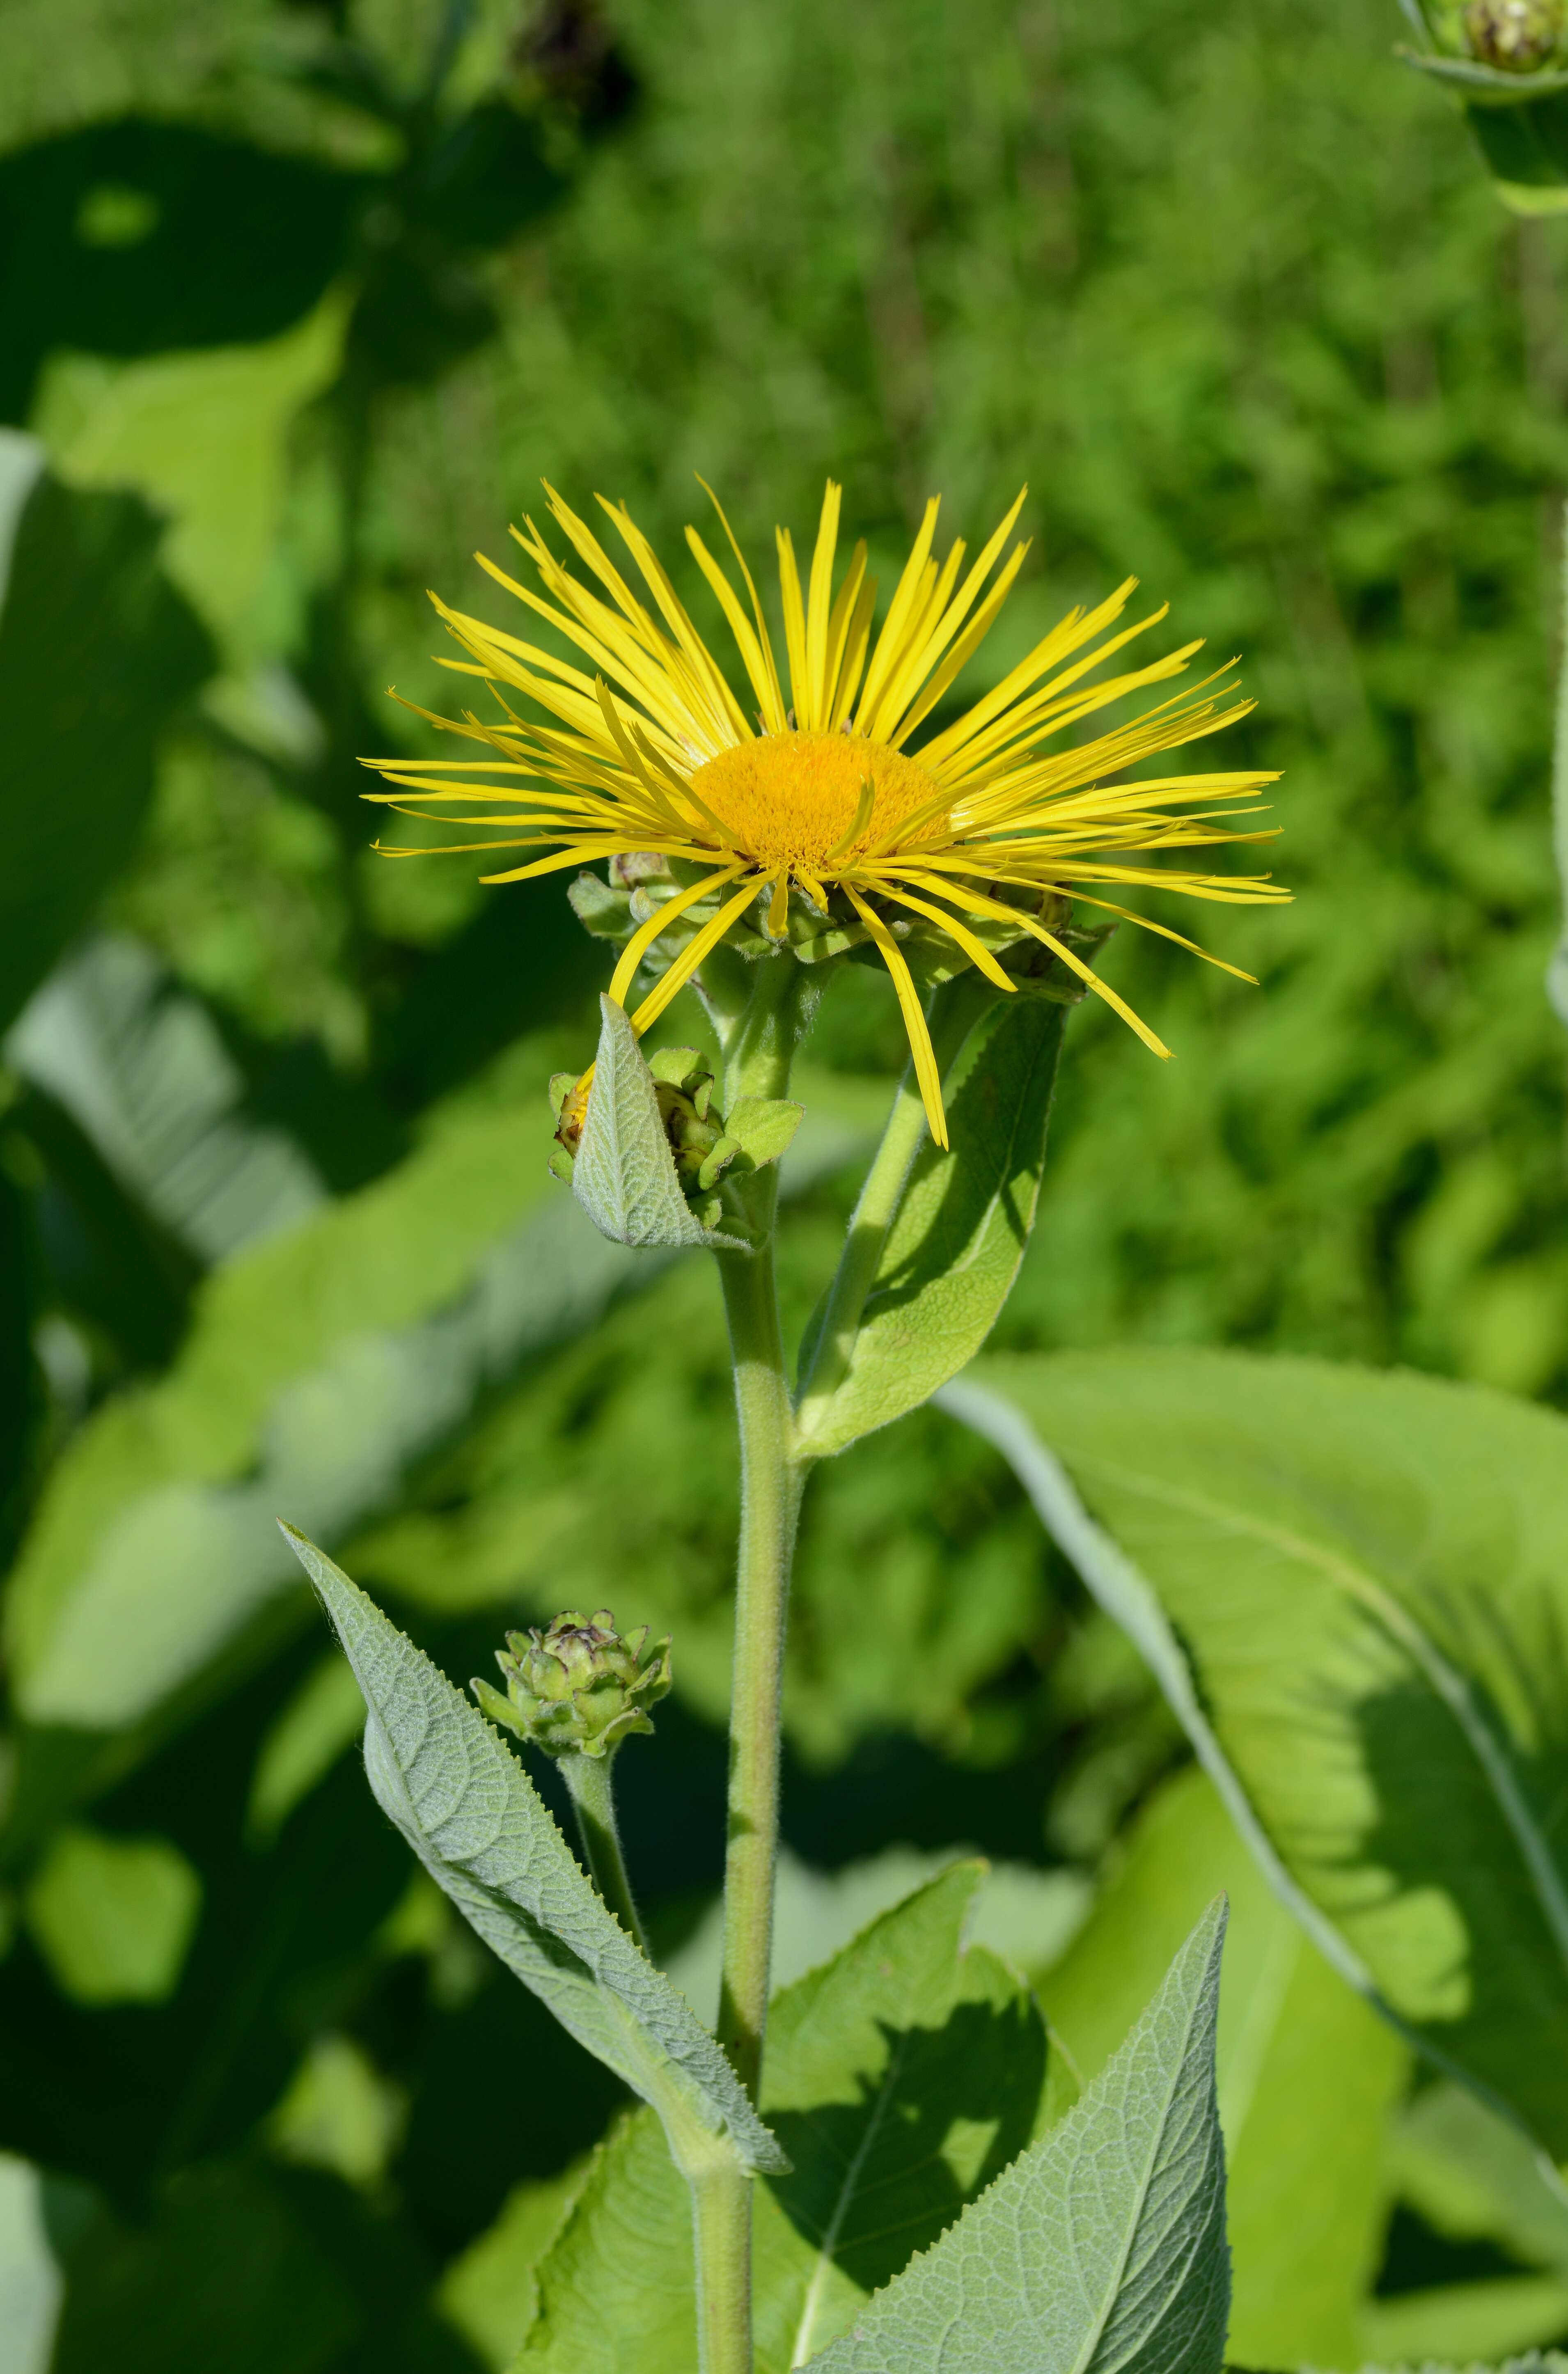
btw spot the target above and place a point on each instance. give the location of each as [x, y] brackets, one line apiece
[578, 1687]
[602, 908]
[633, 866]
[684, 1086]
[703, 1144]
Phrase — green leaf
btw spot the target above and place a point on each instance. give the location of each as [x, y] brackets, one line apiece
[113, 1916]
[1525, 151]
[203, 436]
[322, 1365]
[1474, 2176]
[1307, 2073]
[902, 2080]
[1484, 2320]
[225, 2273]
[624, 1175]
[29, 2279]
[1103, 2246]
[961, 1228]
[1535, 2361]
[763, 1127]
[140, 1067]
[490, 2292]
[465, 1804]
[83, 591]
[616, 2290]
[1353, 1589]
[234, 242]
[1023, 1913]
[903, 2076]
[324, 1370]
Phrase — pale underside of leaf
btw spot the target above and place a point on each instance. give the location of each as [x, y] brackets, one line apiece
[1103, 2246]
[471, 1815]
[624, 1175]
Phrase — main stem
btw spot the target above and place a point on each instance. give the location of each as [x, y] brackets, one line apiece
[769, 1505]
[760, 1045]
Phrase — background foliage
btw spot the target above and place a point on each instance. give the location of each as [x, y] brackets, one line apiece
[305, 299]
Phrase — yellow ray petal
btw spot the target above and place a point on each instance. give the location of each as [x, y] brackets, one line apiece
[818, 607]
[795, 632]
[890, 641]
[920, 1047]
[975, 950]
[642, 938]
[690, 957]
[773, 710]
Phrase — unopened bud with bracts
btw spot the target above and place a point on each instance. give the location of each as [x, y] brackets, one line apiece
[578, 1687]
[1515, 36]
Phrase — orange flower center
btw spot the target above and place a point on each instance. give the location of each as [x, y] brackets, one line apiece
[817, 800]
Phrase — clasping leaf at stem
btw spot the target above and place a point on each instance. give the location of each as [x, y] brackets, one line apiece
[470, 1813]
[624, 1174]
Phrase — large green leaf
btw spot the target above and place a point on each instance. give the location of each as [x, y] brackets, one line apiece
[616, 2289]
[217, 243]
[29, 2279]
[204, 436]
[1475, 2321]
[240, 2264]
[1473, 2177]
[324, 1368]
[462, 1799]
[226, 2272]
[1102, 2247]
[321, 1367]
[962, 1227]
[1355, 1590]
[96, 650]
[902, 2077]
[1307, 2073]
[1535, 2361]
[140, 1066]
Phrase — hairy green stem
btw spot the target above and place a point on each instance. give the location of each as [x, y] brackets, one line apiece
[720, 2211]
[760, 1046]
[769, 1505]
[593, 1797]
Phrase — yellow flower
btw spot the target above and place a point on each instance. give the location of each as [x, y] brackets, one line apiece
[649, 748]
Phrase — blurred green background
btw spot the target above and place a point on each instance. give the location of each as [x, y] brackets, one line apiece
[301, 303]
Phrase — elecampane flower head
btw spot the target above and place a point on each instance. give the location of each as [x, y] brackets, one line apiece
[649, 748]
[577, 1687]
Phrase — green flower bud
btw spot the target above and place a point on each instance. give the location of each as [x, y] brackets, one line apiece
[703, 1145]
[578, 1687]
[1515, 36]
[684, 1086]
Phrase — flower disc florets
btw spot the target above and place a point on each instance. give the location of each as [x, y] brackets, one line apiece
[806, 800]
[577, 1687]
